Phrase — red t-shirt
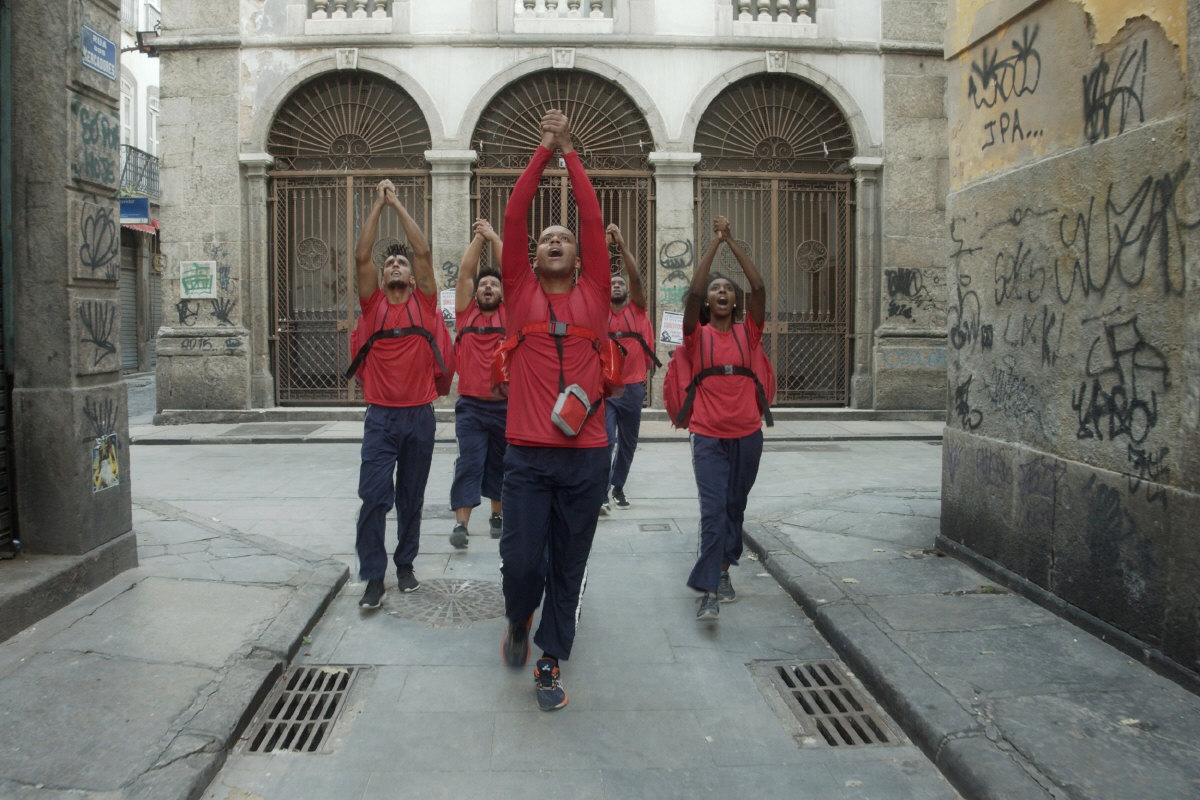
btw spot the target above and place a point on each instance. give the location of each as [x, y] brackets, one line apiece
[534, 372]
[633, 319]
[726, 406]
[475, 351]
[398, 372]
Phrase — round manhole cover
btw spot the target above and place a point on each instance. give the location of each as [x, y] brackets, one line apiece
[449, 602]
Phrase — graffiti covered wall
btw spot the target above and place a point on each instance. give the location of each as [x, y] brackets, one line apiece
[1070, 456]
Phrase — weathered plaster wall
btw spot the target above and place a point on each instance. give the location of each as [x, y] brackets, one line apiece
[1071, 450]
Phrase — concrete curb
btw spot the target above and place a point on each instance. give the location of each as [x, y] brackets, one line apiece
[929, 715]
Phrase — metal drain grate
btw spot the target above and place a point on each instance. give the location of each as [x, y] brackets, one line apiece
[301, 710]
[448, 602]
[654, 527]
[824, 698]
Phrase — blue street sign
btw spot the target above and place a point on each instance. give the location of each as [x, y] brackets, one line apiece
[98, 53]
[135, 210]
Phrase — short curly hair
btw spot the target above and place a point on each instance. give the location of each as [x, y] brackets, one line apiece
[398, 249]
[487, 272]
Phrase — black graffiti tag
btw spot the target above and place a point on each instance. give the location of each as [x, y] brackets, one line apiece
[994, 80]
[187, 314]
[99, 241]
[969, 417]
[1144, 234]
[1112, 96]
[99, 320]
[1125, 373]
[221, 309]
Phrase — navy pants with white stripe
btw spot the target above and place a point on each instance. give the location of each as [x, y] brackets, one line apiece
[725, 472]
[399, 442]
[551, 501]
[623, 421]
[479, 468]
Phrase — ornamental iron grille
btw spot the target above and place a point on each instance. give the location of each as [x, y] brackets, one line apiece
[613, 141]
[336, 138]
[349, 121]
[775, 155]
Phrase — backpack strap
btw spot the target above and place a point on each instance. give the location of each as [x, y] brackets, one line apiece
[726, 369]
[641, 340]
[395, 333]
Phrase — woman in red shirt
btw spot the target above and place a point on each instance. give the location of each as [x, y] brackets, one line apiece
[726, 422]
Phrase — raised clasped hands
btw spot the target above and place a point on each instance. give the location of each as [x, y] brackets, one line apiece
[721, 229]
[484, 228]
[613, 234]
[556, 131]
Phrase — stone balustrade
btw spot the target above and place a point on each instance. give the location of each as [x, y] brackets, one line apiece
[562, 9]
[775, 17]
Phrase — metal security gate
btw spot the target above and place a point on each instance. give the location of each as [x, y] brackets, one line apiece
[775, 161]
[797, 232]
[315, 224]
[333, 141]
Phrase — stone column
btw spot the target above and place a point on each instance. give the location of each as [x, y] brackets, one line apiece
[203, 356]
[70, 415]
[866, 277]
[450, 225]
[257, 257]
[675, 219]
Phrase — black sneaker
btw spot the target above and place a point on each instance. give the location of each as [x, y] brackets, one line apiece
[618, 497]
[373, 597]
[550, 694]
[514, 647]
[496, 523]
[710, 607]
[725, 592]
[458, 537]
[605, 508]
[407, 581]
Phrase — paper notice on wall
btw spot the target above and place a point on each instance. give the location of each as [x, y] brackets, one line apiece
[671, 329]
[446, 299]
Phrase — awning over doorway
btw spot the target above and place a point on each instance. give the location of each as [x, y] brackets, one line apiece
[151, 228]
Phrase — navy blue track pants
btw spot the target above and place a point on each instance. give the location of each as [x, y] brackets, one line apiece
[623, 420]
[479, 468]
[551, 501]
[725, 472]
[396, 442]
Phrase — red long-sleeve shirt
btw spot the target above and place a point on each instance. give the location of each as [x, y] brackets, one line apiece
[534, 372]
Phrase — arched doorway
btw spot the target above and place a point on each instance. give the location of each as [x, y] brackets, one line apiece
[613, 141]
[775, 161]
[333, 140]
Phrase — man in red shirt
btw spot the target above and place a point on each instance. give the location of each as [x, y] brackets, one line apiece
[554, 482]
[629, 325]
[479, 416]
[397, 378]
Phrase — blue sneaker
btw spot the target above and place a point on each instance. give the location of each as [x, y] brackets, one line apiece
[550, 694]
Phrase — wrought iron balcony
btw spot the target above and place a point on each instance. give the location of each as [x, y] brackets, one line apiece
[139, 173]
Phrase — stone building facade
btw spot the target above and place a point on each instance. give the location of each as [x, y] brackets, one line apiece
[68, 466]
[817, 127]
[1071, 462]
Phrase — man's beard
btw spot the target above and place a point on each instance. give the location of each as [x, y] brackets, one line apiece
[488, 305]
[397, 283]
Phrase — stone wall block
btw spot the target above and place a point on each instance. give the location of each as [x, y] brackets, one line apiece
[974, 513]
[76, 440]
[1110, 552]
[95, 335]
[94, 144]
[93, 237]
[910, 372]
